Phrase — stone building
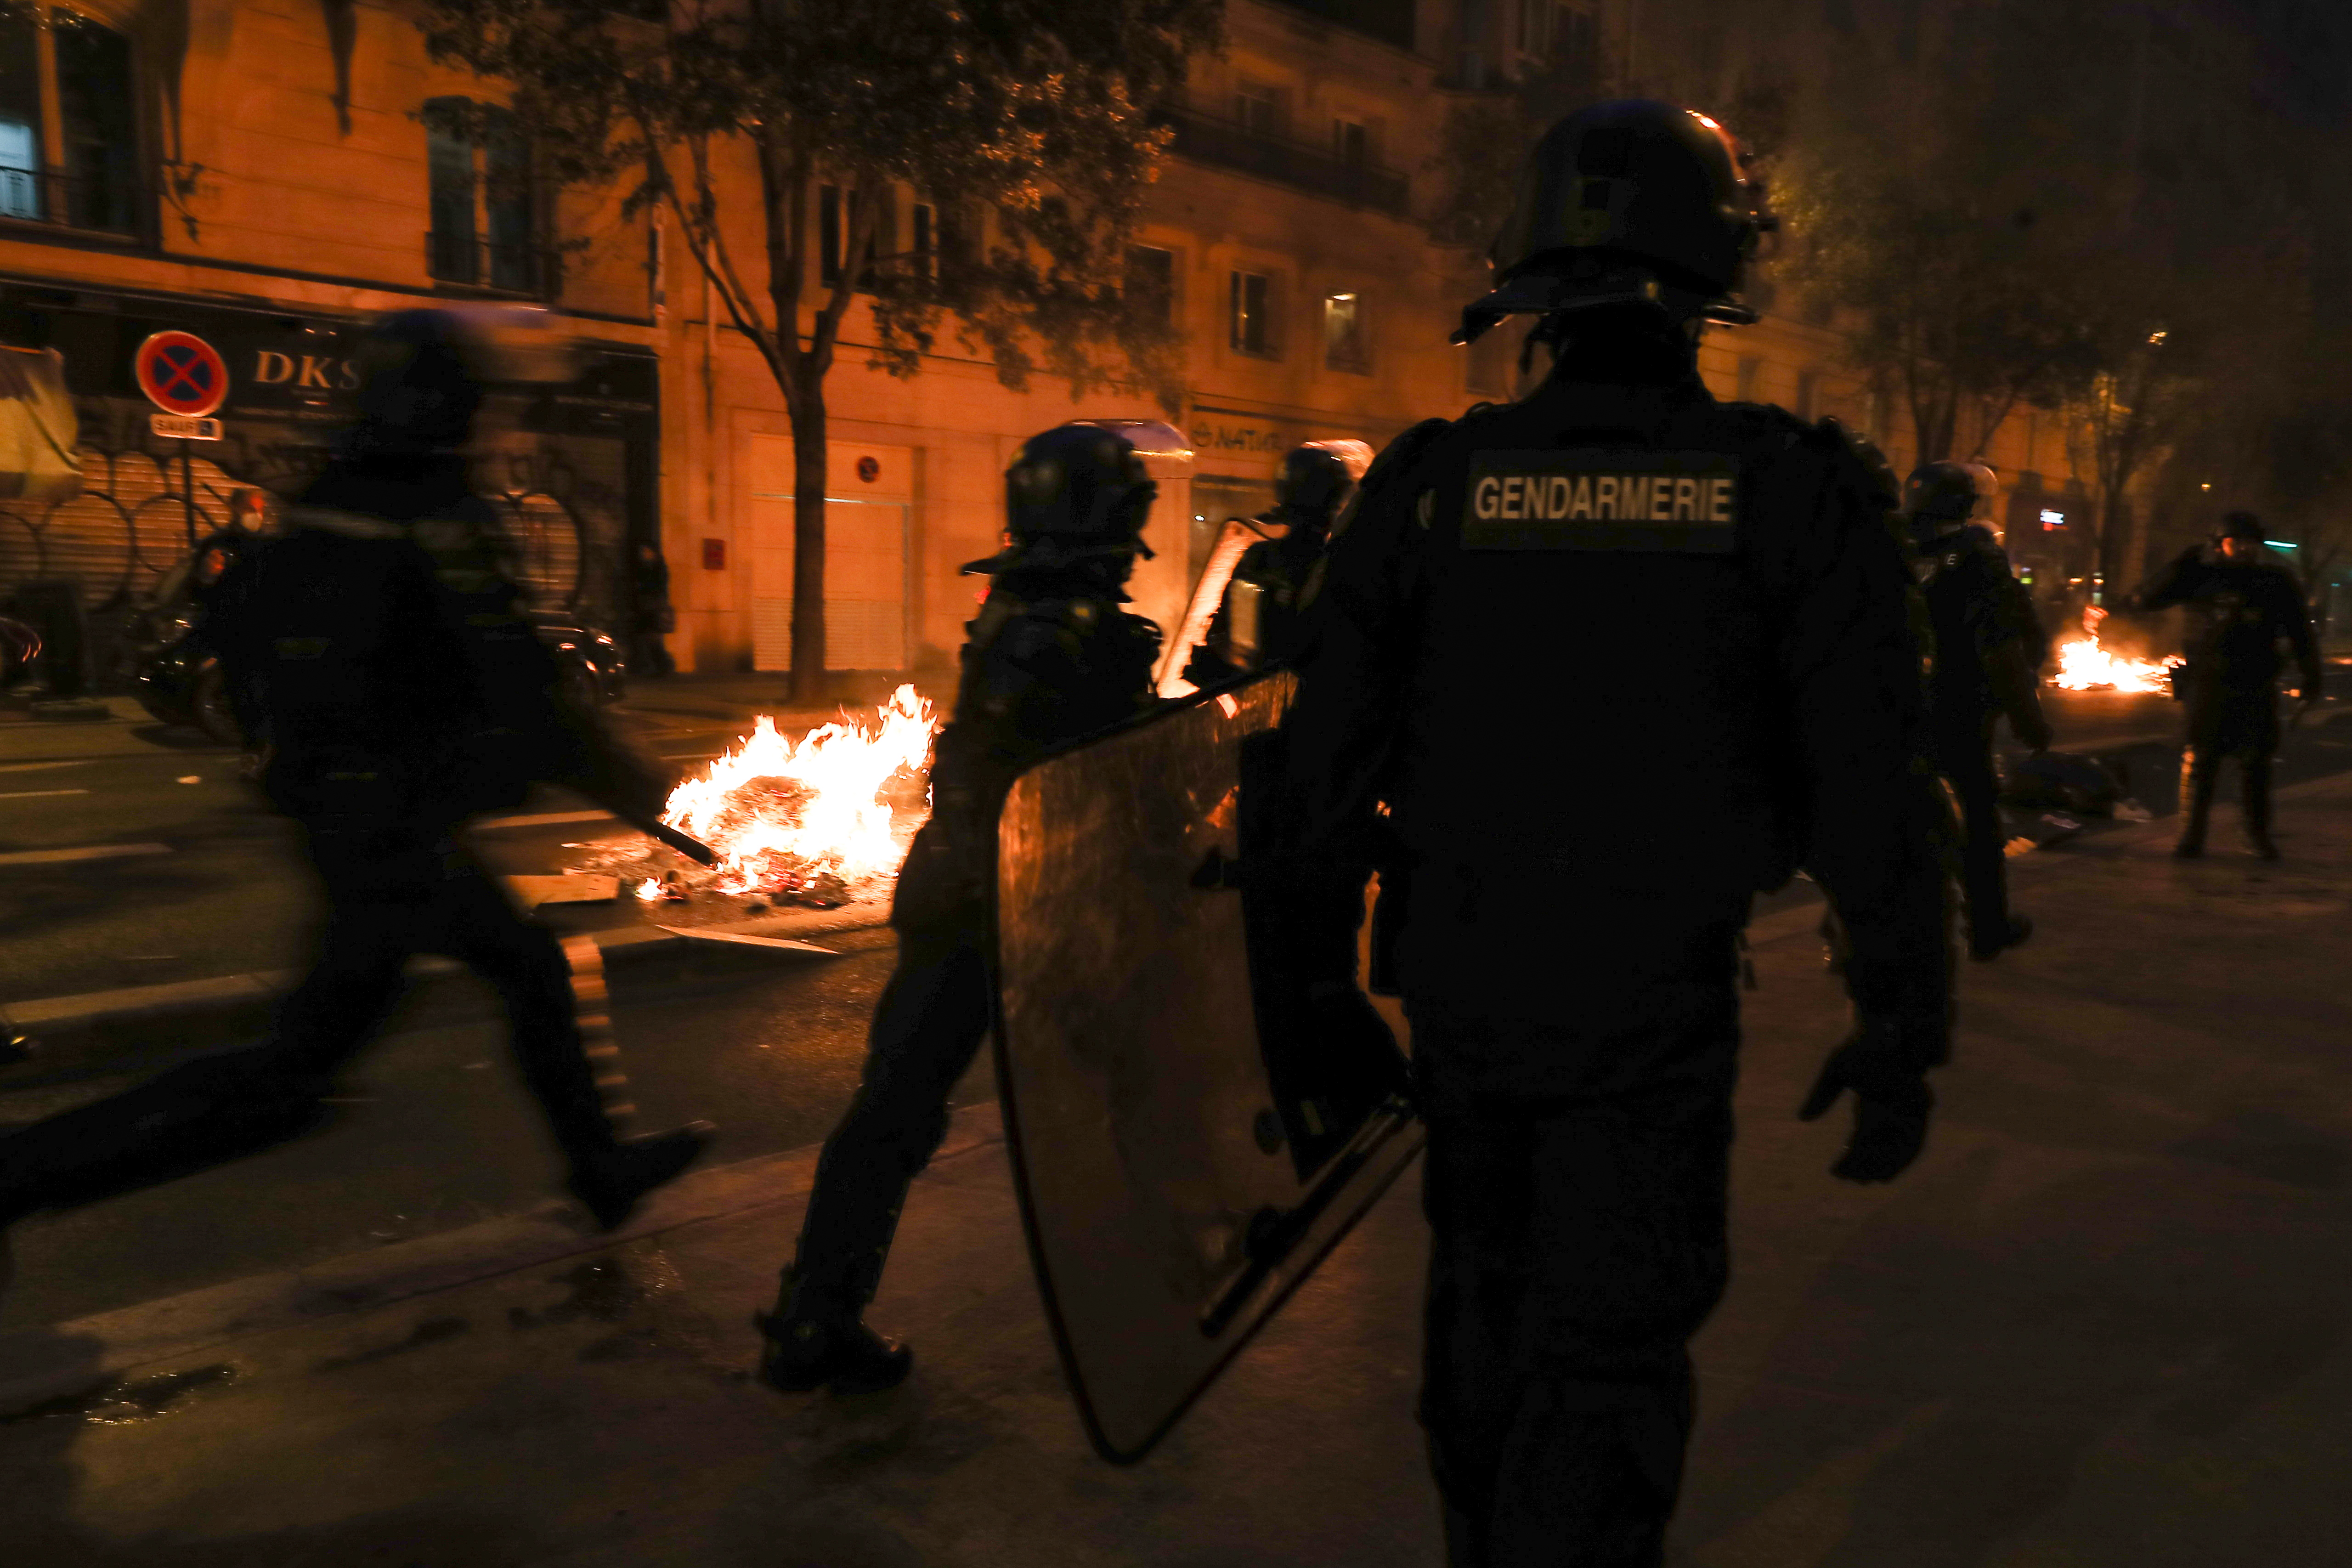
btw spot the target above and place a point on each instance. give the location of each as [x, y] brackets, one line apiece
[260, 174]
[254, 174]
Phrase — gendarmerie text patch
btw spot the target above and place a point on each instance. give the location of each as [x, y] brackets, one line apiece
[1685, 502]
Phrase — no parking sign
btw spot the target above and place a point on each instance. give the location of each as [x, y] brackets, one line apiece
[181, 374]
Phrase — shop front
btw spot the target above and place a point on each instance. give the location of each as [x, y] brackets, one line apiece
[574, 468]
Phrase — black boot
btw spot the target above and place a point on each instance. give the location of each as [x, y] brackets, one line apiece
[2255, 783]
[809, 1344]
[1985, 944]
[2197, 784]
[614, 1179]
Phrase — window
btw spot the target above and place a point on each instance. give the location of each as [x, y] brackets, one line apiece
[485, 211]
[923, 240]
[1493, 361]
[832, 236]
[1258, 107]
[1344, 344]
[1251, 301]
[1150, 286]
[1560, 34]
[66, 136]
[836, 216]
[1751, 370]
[1352, 142]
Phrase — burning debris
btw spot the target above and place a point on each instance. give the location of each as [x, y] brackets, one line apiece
[2085, 666]
[818, 822]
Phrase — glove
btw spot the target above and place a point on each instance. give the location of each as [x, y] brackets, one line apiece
[1890, 1112]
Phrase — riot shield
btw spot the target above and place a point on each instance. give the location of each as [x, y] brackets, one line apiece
[1188, 1136]
[1234, 541]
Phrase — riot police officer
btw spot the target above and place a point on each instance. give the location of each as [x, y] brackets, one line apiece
[1257, 623]
[1988, 653]
[378, 660]
[1051, 658]
[1718, 586]
[2243, 604]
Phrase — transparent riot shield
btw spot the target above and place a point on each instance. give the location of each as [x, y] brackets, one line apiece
[1187, 1141]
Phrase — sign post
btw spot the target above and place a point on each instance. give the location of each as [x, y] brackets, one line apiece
[187, 379]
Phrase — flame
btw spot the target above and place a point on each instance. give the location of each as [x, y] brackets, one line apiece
[2085, 666]
[781, 810]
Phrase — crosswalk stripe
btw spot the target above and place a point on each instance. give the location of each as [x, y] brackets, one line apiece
[84, 852]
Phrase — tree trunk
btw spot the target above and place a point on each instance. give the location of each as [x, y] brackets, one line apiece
[808, 686]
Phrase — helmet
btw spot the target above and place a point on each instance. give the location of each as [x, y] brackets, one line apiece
[1313, 483]
[1633, 202]
[1941, 497]
[418, 388]
[421, 373]
[2241, 525]
[1077, 493]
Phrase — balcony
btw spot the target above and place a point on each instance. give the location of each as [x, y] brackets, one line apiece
[504, 267]
[106, 202]
[1318, 171]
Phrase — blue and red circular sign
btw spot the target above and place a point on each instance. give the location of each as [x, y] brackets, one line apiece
[181, 374]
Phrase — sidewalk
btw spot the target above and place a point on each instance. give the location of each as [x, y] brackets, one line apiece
[2105, 1322]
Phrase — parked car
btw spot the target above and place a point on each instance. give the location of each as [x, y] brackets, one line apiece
[179, 681]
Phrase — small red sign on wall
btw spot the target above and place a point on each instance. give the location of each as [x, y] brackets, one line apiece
[868, 469]
[714, 555]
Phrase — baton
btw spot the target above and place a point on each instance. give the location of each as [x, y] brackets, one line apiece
[694, 849]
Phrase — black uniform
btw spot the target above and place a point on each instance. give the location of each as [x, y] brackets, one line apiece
[2240, 612]
[374, 652]
[1615, 658]
[1988, 650]
[1052, 659]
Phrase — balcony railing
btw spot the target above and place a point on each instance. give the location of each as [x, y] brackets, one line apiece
[1317, 170]
[506, 266]
[104, 202]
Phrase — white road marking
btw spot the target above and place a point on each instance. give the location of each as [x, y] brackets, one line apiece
[708, 934]
[545, 819]
[39, 767]
[40, 793]
[85, 852]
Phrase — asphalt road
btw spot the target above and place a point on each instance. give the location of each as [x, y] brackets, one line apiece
[226, 891]
[220, 887]
[437, 1133]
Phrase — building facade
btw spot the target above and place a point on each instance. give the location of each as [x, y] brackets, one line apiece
[254, 174]
[262, 175]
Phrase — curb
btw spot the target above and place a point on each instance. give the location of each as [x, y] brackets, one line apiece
[78, 1036]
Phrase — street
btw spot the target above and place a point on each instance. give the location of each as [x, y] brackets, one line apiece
[643, 499]
[436, 1134]
[190, 875]
[2100, 1324]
